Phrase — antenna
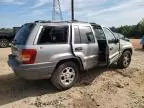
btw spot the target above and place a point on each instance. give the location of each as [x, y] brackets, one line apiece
[57, 13]
[72, 9]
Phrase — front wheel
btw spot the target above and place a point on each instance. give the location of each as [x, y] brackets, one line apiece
[4, 43]
[125, 60]
[65, 76]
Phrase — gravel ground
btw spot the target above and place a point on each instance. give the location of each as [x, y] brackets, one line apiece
[99, 88]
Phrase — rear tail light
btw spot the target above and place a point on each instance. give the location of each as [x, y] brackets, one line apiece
[28, 56]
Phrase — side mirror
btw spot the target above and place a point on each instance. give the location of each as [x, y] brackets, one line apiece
[113, 41]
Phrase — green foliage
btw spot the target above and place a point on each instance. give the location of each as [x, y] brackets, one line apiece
[134, 31]
[141, 26]
[6, 30]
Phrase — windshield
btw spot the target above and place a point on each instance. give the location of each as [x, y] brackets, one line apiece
[22, 35]
[121, 36]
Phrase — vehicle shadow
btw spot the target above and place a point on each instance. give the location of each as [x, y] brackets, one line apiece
[13, 89]
[87, 77]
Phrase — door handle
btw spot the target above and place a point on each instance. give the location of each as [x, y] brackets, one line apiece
[78, 49]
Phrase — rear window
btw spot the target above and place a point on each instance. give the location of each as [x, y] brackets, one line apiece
[22, 35]
[54, 35]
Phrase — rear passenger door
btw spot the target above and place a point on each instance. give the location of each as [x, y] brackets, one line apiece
[85, 45]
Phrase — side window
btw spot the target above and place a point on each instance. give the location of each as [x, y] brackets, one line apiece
[109, 35]
[53, 35]
[86, 35]
[99, 33]
[77, 35]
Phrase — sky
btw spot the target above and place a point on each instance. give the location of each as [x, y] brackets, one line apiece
[105, 12]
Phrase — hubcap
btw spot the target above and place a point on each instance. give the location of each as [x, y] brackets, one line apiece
[126, 60]
[3, 43]
[67, 76]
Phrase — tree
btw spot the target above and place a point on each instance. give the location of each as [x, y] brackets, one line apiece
[6, 30]
[141, 26]
[133, 31]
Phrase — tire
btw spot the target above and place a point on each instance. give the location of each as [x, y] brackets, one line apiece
[4, 43]
[125, 60]
[65, 76]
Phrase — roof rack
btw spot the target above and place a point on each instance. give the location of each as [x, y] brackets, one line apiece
[43, 21]
[94, 24]
[72, 21]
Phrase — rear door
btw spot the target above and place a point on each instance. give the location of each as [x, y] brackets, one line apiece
[113, 46]
[85, 45]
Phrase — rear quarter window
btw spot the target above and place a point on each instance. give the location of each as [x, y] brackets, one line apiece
[53, 35]
[23, 34]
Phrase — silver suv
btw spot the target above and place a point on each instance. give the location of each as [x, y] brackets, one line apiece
[60, 50]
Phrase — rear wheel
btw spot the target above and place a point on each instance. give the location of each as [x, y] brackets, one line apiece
[65, 75]
[4, 43]
[124, 60]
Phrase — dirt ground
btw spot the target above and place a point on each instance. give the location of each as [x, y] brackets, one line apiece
[136, 43]
[99, 88]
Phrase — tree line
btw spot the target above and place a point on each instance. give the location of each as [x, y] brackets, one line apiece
[133, 31]
[6, 30]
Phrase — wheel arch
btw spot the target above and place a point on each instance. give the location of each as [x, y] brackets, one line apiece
[128, 49]
[77, 61]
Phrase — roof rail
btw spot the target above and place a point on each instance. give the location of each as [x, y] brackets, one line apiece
[79, 21]
[41, 21]
[72, 21]
[94, 24]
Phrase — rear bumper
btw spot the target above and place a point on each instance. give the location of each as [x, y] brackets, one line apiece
[31, 72]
